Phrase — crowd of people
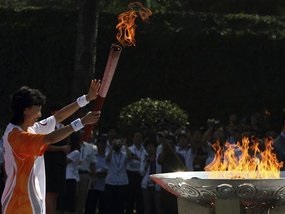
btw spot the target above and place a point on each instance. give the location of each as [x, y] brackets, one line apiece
[109, 174]
[119, 173]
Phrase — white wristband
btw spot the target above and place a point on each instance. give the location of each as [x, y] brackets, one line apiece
[82, 101]
[76, 125]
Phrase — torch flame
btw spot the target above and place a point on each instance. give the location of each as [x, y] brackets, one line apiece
[245, 160]
[126, 26]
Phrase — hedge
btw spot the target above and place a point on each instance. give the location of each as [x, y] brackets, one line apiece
[209, 64]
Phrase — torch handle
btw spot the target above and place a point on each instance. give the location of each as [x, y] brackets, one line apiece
[97, 107]
[98, 103]
[110, 68]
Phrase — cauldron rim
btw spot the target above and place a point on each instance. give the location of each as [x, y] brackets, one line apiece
[209, 175]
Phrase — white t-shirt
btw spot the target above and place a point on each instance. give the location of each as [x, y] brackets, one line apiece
[134, 164]
[33, 164]
[117, 169]
[87, 156]
[187, 155]
[99, 183]
[72, 167]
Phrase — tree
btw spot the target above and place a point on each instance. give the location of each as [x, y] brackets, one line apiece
[87, 31]
[152, 114]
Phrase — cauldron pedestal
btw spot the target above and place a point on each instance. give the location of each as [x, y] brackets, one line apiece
[223, 207]
[197, 193]
[187, 207]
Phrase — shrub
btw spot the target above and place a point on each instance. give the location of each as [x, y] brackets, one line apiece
[152, 114]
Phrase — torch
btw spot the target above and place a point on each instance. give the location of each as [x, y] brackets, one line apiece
[110, 68]
[126, 37]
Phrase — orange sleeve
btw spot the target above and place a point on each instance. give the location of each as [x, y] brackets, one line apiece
[26, 144]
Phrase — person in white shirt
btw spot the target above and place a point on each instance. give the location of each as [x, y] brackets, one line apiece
[117, 181]
[150, 190]
[55, 158]
[67, 200]
[170, 161]
[133, 169]
[55, 165]
[111, 135]
[183, 148]
[95, 198]
[86, 169]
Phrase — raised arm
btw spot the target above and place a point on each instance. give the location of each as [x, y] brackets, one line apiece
[60, 134]
[68, 110]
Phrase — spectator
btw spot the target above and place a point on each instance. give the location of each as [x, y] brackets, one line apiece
[184, 149]
[116, 182]
[95, 196]
[86, 169]
[150, 190]
[67, 199]
[233, 125]
[170, 162]
[111, 135]
[55, 164]
[137, 152]
[199, 150]
[160, 138]
[213, 133]
[257, 124]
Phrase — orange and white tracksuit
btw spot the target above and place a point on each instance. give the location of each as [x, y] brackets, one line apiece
[24, 191]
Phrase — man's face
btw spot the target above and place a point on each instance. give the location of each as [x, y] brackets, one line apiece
[32, 114]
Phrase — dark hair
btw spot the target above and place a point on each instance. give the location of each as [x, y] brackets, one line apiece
[23, 98]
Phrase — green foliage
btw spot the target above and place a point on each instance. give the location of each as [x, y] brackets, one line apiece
[226, 25]
[24, 4]
[209, 64]
[245, 24]
[262, 7]
[115, 7]
[152, 114]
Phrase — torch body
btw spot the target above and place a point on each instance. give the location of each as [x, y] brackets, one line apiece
[113, 58]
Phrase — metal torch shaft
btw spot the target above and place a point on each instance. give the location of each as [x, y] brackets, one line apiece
[110, 68]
